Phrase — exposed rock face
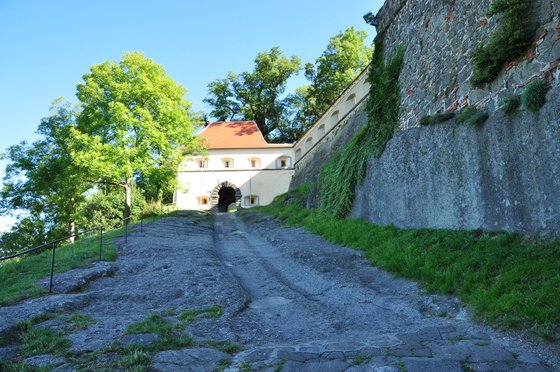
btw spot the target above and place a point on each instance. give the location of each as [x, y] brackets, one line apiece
[504, 175]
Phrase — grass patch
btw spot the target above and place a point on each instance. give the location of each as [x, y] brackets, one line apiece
[21, 367]
[360, 359]
[534, 95]
[136, 360]
[343, 171]
[37, 341]
[511, 40]
[279, 366]
[79, 321]
[19, 276]
[190, 315]
[504, 278]
[473, 116]
[510, 105]
[224, 364]
[224, 346]
[155, 324]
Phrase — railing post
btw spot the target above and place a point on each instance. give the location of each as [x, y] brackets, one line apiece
[52, 267]
[100, 241]
[126, 231]
[141, 221]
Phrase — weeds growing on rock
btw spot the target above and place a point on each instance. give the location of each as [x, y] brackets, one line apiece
[437, 118]
[154, 323]
[534, 95]
[511, 40]
[471, 115]
[227, 347]
[137, 360]
[214, 311]
[37, 341]
[510, 105]
[79, 321]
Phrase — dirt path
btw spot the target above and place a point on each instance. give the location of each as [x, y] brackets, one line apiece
[290, 300]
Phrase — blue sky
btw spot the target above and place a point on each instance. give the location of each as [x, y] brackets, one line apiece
[46, 46]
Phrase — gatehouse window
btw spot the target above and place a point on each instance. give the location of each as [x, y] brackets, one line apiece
[254, 162]
[308, 143]
[202, 200]
[351, 100]
[335, 117]
[251, 200]
[228, 162]
[298, 154]
[283, 162]
[202, 163]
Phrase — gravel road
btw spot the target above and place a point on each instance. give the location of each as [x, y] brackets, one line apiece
[291, 300]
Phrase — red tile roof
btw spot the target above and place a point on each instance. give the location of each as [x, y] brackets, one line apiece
[236, 135]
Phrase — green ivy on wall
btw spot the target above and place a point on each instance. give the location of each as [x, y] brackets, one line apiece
[510, 41]
[340, 175]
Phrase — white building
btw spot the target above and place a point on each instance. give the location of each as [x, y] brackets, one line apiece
[240, 168]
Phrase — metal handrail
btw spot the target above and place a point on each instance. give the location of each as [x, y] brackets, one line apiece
[52, 244]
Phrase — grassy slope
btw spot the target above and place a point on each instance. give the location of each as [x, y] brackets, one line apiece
[504, 278]
[19, 276]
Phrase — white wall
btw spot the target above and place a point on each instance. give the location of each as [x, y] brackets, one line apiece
[345, 104]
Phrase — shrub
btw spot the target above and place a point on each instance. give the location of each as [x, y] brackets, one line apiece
[472, 115]
[534, 95]
[510, 41]
[437, 118]
[510, 105]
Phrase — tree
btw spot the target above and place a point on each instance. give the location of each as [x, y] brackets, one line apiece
[135, 124]
[296, 118]
[222, 99]
[256, 95]
[345, 57]
[42, 180]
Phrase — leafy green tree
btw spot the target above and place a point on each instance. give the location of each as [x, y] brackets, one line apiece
[28, 232]
[256, 95]
[42, 181]
[345, 57]
[222, 99]
[296, 118]
[134, 123]
[103, 207]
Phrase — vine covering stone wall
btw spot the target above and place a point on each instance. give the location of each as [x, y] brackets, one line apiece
[440, 37]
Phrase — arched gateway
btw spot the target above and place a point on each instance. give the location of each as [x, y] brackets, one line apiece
[224, 194]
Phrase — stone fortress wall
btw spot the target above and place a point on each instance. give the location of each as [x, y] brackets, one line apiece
[504, 175]
[440, 36]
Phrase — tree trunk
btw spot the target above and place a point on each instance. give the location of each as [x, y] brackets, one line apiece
[127, 199]
[72, 232]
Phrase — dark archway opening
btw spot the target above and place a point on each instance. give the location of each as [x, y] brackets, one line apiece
[226, 196]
